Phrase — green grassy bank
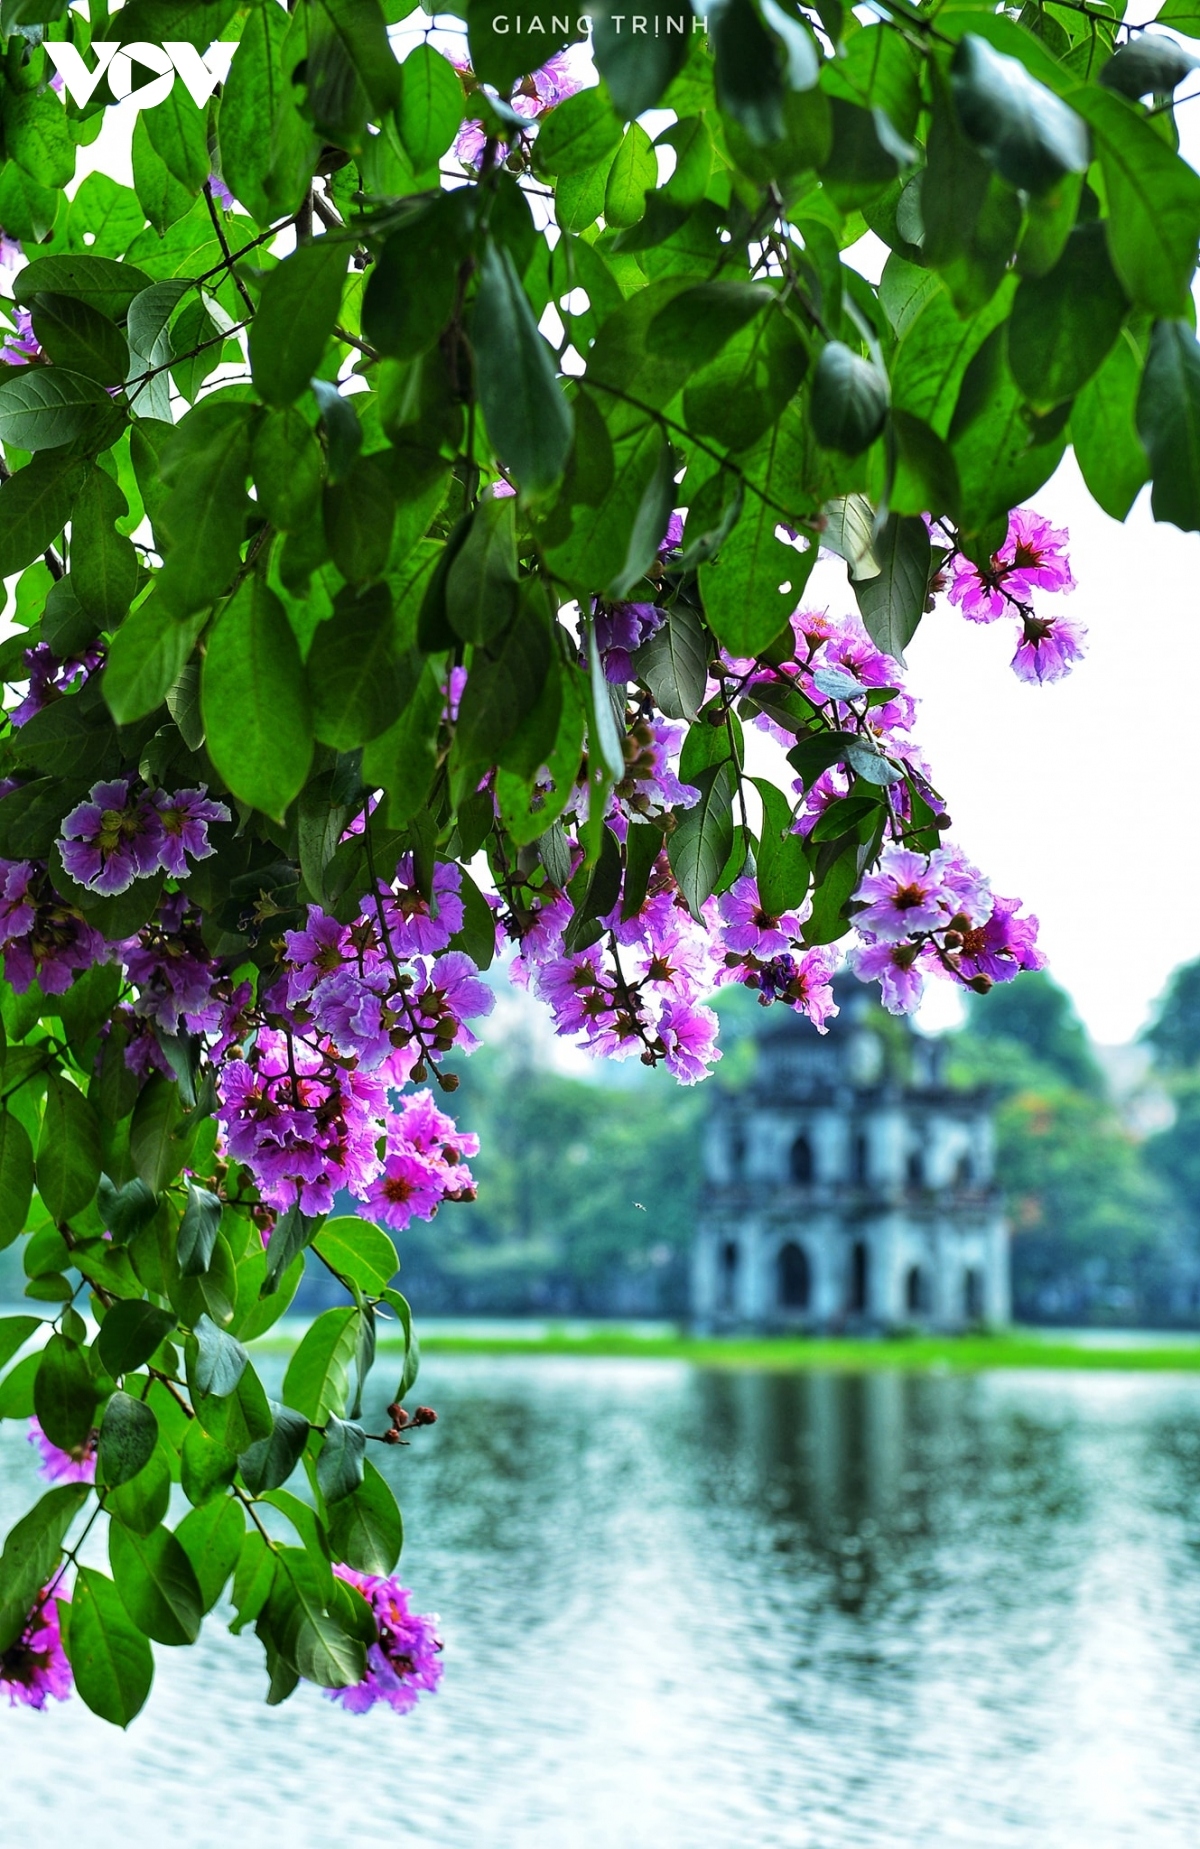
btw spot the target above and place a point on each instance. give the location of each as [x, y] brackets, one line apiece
[961, 1354]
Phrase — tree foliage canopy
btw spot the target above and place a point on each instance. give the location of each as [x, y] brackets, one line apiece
[410, 484]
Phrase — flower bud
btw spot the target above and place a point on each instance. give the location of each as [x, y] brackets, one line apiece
[980, 984]
[424, 1415]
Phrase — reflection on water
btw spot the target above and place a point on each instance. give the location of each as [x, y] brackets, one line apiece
[690, 1608]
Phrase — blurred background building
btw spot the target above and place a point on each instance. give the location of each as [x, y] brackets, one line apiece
[849, 1185]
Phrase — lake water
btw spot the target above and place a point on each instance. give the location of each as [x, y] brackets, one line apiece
[688, 1609]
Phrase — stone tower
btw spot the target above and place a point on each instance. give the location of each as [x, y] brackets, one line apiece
[848, 1187]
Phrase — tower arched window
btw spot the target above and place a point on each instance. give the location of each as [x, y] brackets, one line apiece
[916, 1168]
[802, 1165]
[964, 1173]
[916, 1295]
[794, 1277]
[737, 1150]
[860, 1160]
[973, 1294]
[730, 1256]
[859, 1278]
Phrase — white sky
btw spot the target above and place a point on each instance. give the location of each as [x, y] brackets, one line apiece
[1081, 796]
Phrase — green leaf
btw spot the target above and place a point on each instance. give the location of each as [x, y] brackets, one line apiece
[365, 1528]
[255, 701]
[703, 837]
[130, 1333]
[300, 302]
[1153, 204]
[151, 349]
[108, 286]
[503, 689]
[15, 1331]
[1146, 64]
[16, 1176]
[314, 1642]
[78, 336]
[649, 524]
[1026, 132]
[112, 1662]
[481, 585]
[16, 1389]
[160, 195]
[146, 657]
[359, 513]
[744, 601]
[431, 105]
[220, 1360]
[411, 287]
[637, 68]
[696, 324]
[358, 1250]
[340, 1460]
[1168, 421]
[178, 133]
[64, 1394]
[1104, 432]
[266, 146]
[270, 1461]
[849, 400]
[354, 688]
[528, 418]
[37, 135]
[154, 1136]
[156, 1584]
[317, 1381]
[68, 1157]
[31, 1553]
[893, 602]
[207, 1466]
[749, 84]
[674, 663]
[1064, 323]
[782, 868]
[211, 1537]
[104, 565]
[198, 1231]
[577, 134]
[634, 173]
[206, 460]
[44, 407]
[287, 466]
[128, 1436]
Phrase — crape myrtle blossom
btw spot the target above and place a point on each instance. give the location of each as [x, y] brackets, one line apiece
[58, 1466]
[43, 938]
[116, 836]
[20, 346]
[423, 1165]
[50, 677]
[1032, 558]
[533, 96]
[34, 1669]
[404, 1663]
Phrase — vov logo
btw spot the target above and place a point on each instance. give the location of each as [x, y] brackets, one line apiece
[200, 74]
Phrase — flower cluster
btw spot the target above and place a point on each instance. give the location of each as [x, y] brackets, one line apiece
[533, 96]
[21, 346]
[1033, 557]
[118, 835]
[42, 937]
[936, 915]
[361, 1009]
[404, 1663]
[34, 1669]
[50, 677]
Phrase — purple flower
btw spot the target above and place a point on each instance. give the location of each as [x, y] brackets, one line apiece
[220, 192]
[904, 896]
[552, 84]
[404, 1661]
[10, 252]
[895, 967]
[111, 839]
[22, 346]
[44, 938]
[749, 927]
[454, 994]
[672, 539]
[689, 1037]
[805, 983]
[1048, 648]
[49, 677]
[621, 628]
[185, 817]
[174, 975]
[57, 1466]
[415, 926]
[35, 1669]
[1033, 557]
[408, 1189]
[1001, 946]
[456, 686]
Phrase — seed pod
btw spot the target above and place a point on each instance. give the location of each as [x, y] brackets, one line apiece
[849, 400]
